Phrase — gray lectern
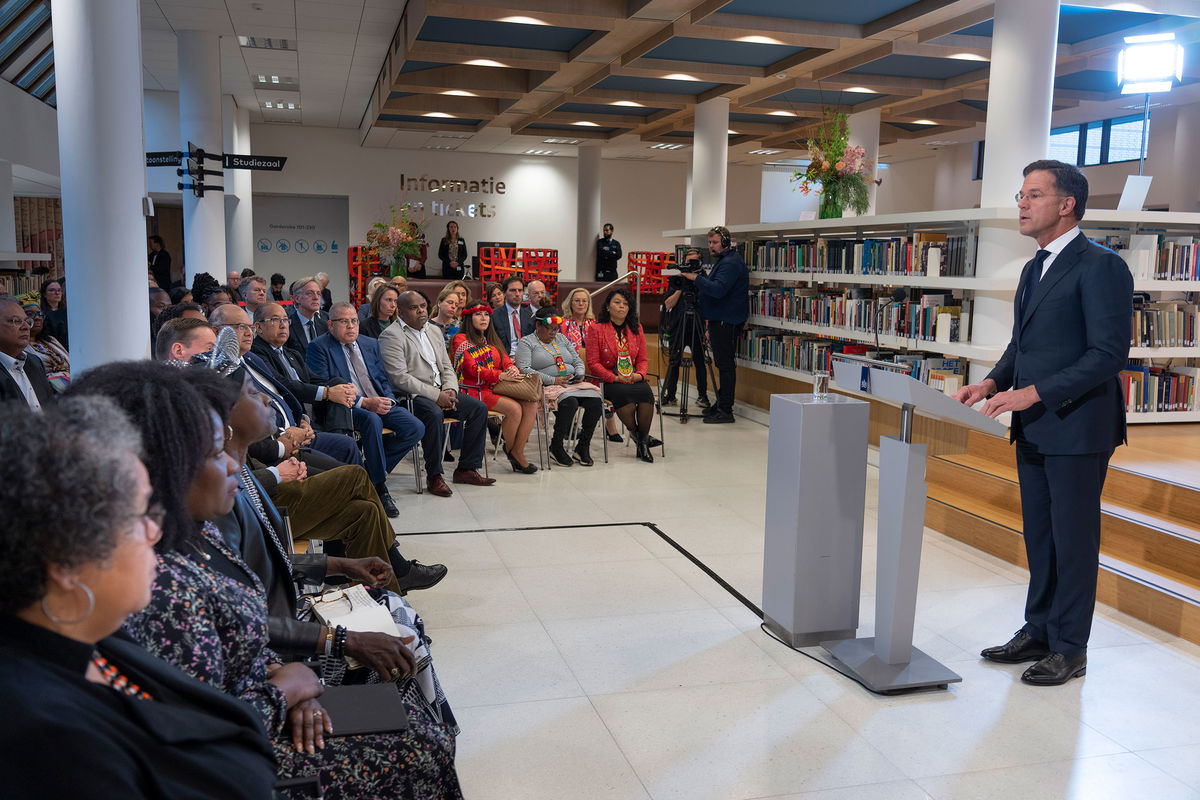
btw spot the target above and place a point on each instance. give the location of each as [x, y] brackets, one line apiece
[816, 485]
[887, 662]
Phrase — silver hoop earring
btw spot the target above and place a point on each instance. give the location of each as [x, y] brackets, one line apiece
[91, 597]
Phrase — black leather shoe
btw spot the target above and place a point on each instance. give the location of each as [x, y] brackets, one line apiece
[702, 401]
[710, 410]
[421, 576]
[389, 507]
[615, 437]
[528, 469]
[653, 442]
[583, 455]
[1055, 670]
[1020, 648]
[718, 418]
[560, 454]
[643, 450]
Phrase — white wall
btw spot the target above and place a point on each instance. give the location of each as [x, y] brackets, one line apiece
[299, 236]
[781, 200]
[907, 186]
[28, 131]
[952, 184]
[160, 110]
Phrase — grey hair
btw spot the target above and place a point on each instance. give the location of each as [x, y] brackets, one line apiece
[261, 312]
[244, 288]
[336, 306]
[67, 482]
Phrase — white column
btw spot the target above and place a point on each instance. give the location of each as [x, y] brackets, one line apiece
[200, 124]
[864, 133]
[1020, 95]
[1185, 167]
[687, 191]
[710, 163]
[239, 190]
[587, 211]
[8, 218]
[98, 77]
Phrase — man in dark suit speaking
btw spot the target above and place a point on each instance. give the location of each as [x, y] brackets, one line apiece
[1058, 377]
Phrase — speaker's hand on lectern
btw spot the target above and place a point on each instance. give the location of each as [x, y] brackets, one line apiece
[972, 394]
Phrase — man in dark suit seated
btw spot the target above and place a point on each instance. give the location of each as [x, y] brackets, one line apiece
[318, 449]
[1059, 379]
[343, 356]
[21, 374]
[182, 338]
[306, 318]
[513, 319]
[331, 403]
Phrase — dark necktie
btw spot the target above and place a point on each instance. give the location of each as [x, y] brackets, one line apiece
[287, 364]
[359, 367]
[312, 330]
[1035, 277]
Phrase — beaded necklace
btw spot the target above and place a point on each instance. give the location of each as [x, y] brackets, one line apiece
[113, 677]
[552, 350]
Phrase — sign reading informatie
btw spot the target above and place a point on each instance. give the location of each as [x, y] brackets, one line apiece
[269, 163]
[164, 158]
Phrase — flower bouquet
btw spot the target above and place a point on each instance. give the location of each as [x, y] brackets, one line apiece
[395, 240]
[837, 170]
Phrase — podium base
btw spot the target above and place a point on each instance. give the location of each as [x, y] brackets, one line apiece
[921, 672]
[803, 639]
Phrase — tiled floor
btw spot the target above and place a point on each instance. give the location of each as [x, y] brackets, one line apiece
[598, 662]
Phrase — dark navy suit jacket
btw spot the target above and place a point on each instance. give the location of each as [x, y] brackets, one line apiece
[1071, 341]
[724, 292]
[326, 358]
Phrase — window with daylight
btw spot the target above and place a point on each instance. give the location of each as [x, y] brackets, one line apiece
[1105, 141]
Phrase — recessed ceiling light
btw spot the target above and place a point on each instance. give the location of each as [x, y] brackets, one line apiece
[266, 43]
[562, 141]
[483, 62]
[586, 123]
[459, 93]
[523, 20]
[440, 147]
[439, 115]
[758, 40]
[923, 122]
[968, 57]
[782, 114]
[781, 75]
[446, 135]
[679, 76]
[262, 78]
[540, 152]
[269, 104]
[665, 146]
[274, 79]
[761, 152]
[861, 90]
[626, 103]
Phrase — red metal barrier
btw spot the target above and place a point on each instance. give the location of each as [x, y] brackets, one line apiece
[650, 265]
[496, 264]
[362, 264]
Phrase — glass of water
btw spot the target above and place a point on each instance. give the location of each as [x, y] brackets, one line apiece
[820, 384]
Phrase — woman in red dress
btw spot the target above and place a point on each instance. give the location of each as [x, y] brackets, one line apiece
[480, 358]
[616, 353]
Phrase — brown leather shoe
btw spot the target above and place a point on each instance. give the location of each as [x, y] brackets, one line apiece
[437, 485]
[472, 477]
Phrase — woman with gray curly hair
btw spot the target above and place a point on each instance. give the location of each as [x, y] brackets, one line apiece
[77, 541]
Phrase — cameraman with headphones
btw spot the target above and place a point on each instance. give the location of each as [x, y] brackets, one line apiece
[724, 302]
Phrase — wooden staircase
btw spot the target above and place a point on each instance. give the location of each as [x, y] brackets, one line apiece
[1149, 541]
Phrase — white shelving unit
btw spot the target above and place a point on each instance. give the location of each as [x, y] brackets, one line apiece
[953, 349]
[939, 282]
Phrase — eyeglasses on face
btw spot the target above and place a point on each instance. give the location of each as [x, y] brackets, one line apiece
[1033, 196]
[274, 321]
[351, 321]
[19, 322]
[240, 326]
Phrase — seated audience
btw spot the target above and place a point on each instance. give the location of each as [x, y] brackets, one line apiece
[364, 309]
[381, 312]
[89, 713]
[233, 280]
[277, 290]
[546, 352]
[307, 320]
[494, 293]
[537, 294]
[479, 358]
[326, 296]
[22, 376]
[208, 614]
[449, 305]
[253, 291]
[399, 283]
[159, 300]
[514, 319]
[180, 294]
[54, 357]
[54, 306]
[616, 353]
[417, 364]
[217, 297]
[577, 321]
[177, 311]
[343, 356]
[181, 338]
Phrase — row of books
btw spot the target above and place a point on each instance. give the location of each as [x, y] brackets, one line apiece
[1150, 388]
[1169, 324]
[19, 282]
[1158, 257]
[926, 254]
[932, 317]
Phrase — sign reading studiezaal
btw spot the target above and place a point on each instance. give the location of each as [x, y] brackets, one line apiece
[164, 158]
[269, 163]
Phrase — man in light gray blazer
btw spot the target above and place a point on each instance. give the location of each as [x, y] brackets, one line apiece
[417, 365]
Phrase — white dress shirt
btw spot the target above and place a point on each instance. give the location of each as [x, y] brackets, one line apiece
[1056, 247]
[426, 348]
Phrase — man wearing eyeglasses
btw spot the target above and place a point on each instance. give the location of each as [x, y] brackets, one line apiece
[21, 374]
[307, 320]
[342, 356]
[1058, 378]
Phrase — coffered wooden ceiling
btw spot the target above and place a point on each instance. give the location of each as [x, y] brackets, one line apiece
[633, 70]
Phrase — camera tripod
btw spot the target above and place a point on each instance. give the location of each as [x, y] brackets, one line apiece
[690, 330]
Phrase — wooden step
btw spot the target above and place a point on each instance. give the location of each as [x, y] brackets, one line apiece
[1161, 546]
[993, 448]
[1167, 604]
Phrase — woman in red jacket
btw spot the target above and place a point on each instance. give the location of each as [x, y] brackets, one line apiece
[481, 358]
[616, 353]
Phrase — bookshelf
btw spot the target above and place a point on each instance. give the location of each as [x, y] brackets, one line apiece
[1162, 250]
